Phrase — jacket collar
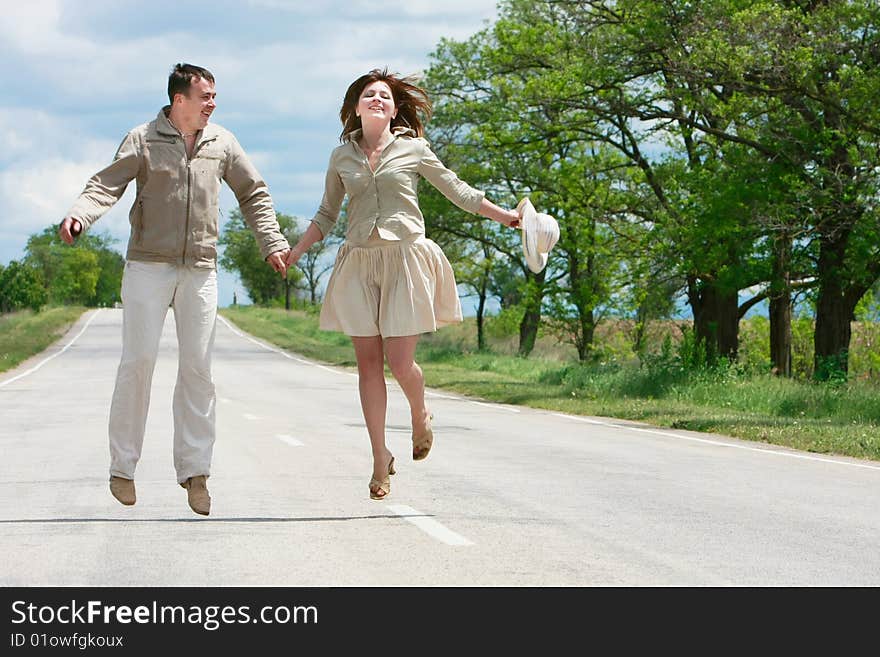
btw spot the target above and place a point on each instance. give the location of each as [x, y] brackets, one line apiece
[397, 131]
[164, 127]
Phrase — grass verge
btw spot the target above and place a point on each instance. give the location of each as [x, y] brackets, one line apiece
[822, 418]
[25, 333]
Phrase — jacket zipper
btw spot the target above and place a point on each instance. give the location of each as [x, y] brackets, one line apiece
[188, 198]
[189, 160]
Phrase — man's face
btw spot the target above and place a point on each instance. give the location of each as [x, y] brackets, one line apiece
[196, 108]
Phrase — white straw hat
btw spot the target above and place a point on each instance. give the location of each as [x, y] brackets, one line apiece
[540, 232]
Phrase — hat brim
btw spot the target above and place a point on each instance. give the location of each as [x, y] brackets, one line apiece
[535, 260]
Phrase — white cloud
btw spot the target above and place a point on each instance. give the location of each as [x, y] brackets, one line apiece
[44, 167]
[32, 27]
[76, 76]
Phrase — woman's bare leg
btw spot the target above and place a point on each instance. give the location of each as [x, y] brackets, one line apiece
[374, 398]
[400, 352]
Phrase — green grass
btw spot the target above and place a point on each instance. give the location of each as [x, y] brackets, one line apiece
[824, 418]
[25, 333]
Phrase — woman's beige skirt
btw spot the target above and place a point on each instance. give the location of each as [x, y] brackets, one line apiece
[390, 289]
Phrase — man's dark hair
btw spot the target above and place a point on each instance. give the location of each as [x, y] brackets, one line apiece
[182, 76]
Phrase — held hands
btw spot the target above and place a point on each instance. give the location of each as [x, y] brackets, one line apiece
[293, 257]
[69, 229]
[278, 261]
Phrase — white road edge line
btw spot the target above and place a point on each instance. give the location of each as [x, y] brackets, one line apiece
[429, 525]
[503, 408]
[290, 440]
[717, 443]
[55, 355]
[279, 351]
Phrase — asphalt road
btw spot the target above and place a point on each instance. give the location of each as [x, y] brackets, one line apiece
[509, 495]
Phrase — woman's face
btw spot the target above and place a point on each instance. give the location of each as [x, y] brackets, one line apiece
[376, 103]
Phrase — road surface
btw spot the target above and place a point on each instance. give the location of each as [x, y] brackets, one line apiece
[509, 496]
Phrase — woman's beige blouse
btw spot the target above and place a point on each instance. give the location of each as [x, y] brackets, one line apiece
[387, 198]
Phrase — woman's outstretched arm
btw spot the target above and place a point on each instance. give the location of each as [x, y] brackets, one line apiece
[495, 213]
[313, 234]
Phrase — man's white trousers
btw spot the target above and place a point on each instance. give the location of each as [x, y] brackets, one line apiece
[148, 288]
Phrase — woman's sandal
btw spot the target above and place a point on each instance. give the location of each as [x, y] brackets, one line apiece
[422, 444]
[379, 489]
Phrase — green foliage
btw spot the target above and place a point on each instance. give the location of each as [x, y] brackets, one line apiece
[802, 357]
[77, 278]
[754, 336]
[108, 287]
[730, 145]
[241, 255]
[505, 323]
[89, 273]
[21, 286]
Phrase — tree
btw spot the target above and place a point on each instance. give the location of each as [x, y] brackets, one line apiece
[241, 255]
[108, 288]
[77, 278]
[58, 262]
[318, 260]
[21, 286]
[695, 95]
[488, 119]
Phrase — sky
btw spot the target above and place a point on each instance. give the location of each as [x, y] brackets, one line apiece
[77, 75]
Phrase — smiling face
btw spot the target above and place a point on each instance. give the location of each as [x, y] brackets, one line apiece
[376, 103]
[192, 111]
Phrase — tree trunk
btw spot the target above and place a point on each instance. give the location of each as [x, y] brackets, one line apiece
[716, 318]
[588, 330]
[481, 309]
[286, 294]
[780, 309]
[528, 330]
[780, 335]
[528, 327]
[833, 313]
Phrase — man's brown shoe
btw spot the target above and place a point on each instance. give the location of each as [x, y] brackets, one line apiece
[123, 490]
[197, 494]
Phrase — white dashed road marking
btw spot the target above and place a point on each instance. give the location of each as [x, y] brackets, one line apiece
[429, 525]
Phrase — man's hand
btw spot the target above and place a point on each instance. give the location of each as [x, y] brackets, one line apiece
[278, 261]
[69, 230]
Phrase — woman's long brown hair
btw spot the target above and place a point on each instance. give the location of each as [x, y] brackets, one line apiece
[412, 102]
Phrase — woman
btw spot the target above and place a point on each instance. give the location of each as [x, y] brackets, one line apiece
[389, 282]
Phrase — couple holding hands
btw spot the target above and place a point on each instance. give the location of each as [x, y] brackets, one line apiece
[389, 282]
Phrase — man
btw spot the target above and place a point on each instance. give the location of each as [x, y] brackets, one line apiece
[178, 161]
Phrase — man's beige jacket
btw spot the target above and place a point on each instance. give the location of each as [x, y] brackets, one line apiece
[175, 214]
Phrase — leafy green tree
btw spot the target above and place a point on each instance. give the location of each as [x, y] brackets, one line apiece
[108, 288]
[754, 124]
[318, 261]
[56, 261]
[241, 255]
[77, 278]
[21, 286]
[485, 121]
